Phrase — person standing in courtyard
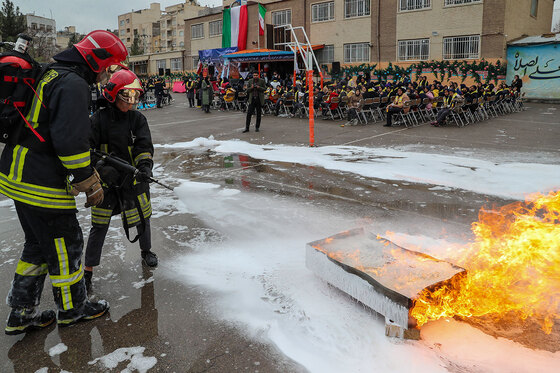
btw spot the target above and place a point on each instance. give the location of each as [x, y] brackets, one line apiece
[43, 177]
[207, 94]
[255, 97]
[124, 133]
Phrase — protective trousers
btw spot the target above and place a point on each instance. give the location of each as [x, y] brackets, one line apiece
[255, 105]
[53, 245]
[97, 238]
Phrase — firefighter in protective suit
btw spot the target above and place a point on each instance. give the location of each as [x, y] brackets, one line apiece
[44, 177]
[122, 132]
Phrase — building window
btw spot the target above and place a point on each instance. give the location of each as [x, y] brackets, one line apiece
[195, 62]
[414, 50]
[176, 64]
[461, 47]
[413, 4]
[161, 64]
[358, 52]
[356, 8]
[215, 28]
[122, 32]
[181, 34]
[128, 20]
[326, 55]
[182, 44]
[322, 12]
[122, 22]
[282, 17]
[197, 31]
[534, 7]
[461, 2]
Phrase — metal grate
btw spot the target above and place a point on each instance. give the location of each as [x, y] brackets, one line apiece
[358, 52]
[197, 31]
[322, 12]
[461, 47]
[282, 17]
[215, 28]
[414, 50]
[356, 8]
[460, 2]
[326, 55]
[413, 4]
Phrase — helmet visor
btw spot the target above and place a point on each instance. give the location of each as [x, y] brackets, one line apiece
[130, 96]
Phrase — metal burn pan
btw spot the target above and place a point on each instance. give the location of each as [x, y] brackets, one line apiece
[380, 274]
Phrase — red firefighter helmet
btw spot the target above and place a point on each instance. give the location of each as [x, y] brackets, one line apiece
[124, 84]
[102, 49]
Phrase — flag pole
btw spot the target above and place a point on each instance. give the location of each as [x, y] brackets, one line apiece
[258, 25]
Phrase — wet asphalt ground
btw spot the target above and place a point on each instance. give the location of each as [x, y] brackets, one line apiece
[171, 319]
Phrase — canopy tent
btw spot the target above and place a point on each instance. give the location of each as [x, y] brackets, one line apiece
[214, 55]
[263, 55]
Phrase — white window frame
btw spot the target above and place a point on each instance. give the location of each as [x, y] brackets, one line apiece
[316, 9]
[356, 48]
[415, 45]
[193, 27]
[365, 10]
[460, 2]
[329, 58]
[461, 52]
[414, 5]
[285, 16]
[161, 64]
[195, 61]
[177, 64]
[215, 28]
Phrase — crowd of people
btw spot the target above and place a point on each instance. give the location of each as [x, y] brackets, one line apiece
[344, 98]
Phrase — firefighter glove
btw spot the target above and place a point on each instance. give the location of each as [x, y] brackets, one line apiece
[145, 174]
[92, 188]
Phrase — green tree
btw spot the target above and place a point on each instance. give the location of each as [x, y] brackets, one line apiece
[12, 22]
[136, 47]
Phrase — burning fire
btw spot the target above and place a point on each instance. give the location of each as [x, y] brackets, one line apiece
[513, 267]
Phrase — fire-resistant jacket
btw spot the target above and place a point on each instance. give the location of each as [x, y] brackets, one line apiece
[127, 136]
[39, 174]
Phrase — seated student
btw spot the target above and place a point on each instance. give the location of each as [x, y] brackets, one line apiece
[396, 106]
[355, 101]
[445, 110]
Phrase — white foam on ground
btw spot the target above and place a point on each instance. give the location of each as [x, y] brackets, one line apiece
[138, 362]
[258, 280]
[58, 349]
[504, 179]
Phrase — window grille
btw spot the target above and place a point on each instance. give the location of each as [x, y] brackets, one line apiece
[326, 55]
[461, 47]
[461, 2]
[356, 8]
[216, 28]
[414, 50]
[413, 4]
[358, 52]
[197, 31]
[176, 64]
[282, 17]
[161, 64]
[322, 12]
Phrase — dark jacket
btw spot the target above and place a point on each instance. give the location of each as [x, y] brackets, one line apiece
[260, 87]
[38, 174]
[127, 136]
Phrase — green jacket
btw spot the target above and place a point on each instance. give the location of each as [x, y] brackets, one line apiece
[260, 87]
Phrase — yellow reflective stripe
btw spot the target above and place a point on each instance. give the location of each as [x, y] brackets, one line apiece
[33, 115]
[30, 199]
[29, 269]
[72, 162]
[38, 190]
[101, 211]
[101, 221]
[142, 156]
[104, 148]
[130, 154]
[62, 256]
[66, 298]
[18, 159]
[67, 279]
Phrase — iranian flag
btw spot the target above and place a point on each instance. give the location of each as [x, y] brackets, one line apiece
[235, 27]
[262, 12]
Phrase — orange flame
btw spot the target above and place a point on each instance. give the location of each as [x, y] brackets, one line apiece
[513, 266]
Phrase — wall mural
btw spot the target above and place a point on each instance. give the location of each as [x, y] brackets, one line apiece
[538, 66]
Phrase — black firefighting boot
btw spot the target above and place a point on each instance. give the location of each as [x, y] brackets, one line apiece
[87, 311]
[87, 278]
[24, 319]
[149, 258]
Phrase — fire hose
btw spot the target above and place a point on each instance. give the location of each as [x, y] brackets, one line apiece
[121, 164]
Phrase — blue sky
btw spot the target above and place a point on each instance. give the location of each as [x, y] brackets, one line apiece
[89, 15]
